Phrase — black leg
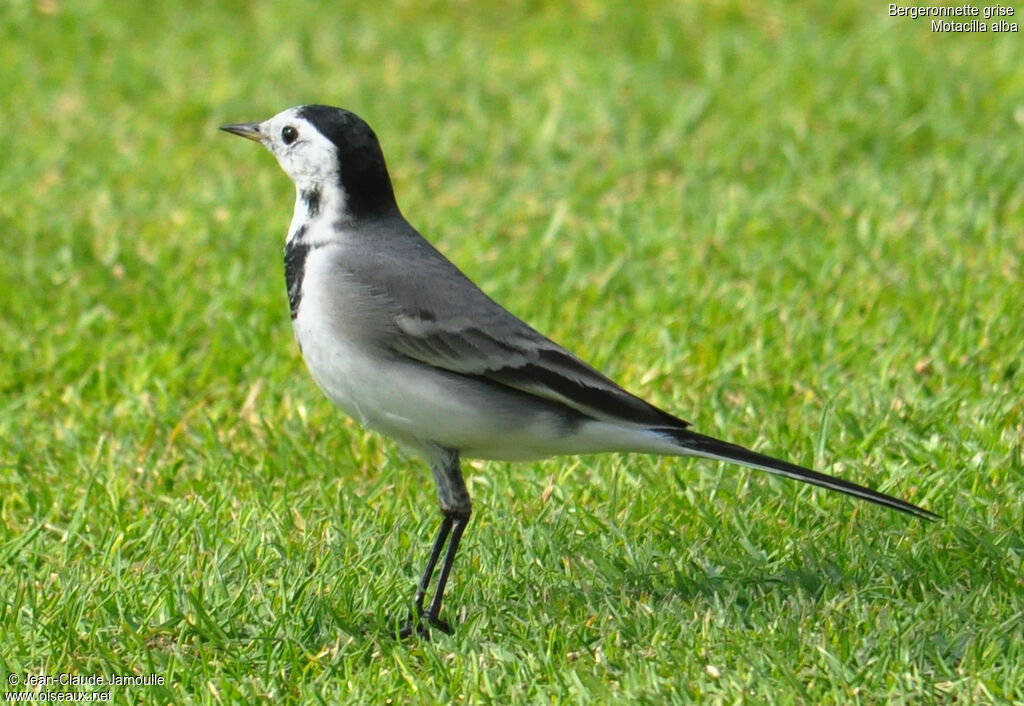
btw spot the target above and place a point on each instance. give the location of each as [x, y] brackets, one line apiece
[459, 523]
[456, 506]
[452, 527]
[435, 554]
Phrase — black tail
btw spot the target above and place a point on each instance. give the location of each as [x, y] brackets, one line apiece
[710, 447]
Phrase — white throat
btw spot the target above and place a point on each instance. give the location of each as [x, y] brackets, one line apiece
[317, 205]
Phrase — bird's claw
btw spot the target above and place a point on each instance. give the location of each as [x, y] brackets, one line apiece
[420, 625]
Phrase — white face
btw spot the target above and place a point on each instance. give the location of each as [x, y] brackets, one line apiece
[303, 152]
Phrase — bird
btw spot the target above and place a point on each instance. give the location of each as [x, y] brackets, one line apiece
[403, 342]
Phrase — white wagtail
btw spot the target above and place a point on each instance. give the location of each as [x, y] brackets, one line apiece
[401, 340]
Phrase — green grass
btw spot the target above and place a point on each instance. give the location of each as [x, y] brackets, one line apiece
[799, 227]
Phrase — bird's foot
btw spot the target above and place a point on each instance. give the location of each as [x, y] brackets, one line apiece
[420, 625]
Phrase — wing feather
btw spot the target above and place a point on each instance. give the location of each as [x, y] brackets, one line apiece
[516, 356]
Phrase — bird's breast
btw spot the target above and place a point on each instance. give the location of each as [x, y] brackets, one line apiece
[322, 309]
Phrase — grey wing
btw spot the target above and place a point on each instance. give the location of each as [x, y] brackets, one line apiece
[514, 355]
[443, 319]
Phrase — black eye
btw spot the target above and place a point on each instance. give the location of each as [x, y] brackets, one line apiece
[289, 134]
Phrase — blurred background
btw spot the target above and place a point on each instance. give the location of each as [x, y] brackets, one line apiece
[798, 225]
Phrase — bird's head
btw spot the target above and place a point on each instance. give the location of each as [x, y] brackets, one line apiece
[323, 148]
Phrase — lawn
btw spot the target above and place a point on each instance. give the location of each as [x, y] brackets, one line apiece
[799, 226]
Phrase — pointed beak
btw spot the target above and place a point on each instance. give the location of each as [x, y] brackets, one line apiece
[250, 131]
